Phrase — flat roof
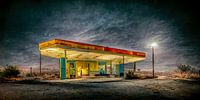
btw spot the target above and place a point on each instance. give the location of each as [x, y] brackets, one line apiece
[82, 51]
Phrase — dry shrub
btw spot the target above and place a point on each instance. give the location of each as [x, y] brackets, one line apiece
[43, 76]
[185, 75]
[194, 76]
[184, 68]
[49, 76]
[130, 75]
[186, 72]
[10, 71]
[139, 75]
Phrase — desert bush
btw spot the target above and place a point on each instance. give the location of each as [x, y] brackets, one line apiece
[184, 68]
[186, 71]
[194, 76]
[1, 74]
[186, 75]
[29, 75]
[10, 71]
[130, 75]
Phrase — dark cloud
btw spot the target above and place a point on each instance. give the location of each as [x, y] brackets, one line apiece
[127, 24]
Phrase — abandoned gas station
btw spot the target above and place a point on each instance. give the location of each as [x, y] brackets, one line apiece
[81, 59]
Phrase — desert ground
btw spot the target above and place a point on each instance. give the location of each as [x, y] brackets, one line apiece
[101, 89]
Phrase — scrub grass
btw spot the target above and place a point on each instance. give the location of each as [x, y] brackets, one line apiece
[186, 75]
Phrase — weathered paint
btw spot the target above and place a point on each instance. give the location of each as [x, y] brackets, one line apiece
[78, 53]
[121, 70]
[94, 48]
[62, 68]
[74, 69]
[102, 70]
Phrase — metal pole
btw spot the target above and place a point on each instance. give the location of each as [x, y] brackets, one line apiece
[88, 69]
[59, 68]
[40, 63]
[153, 61]
[31, 71]
[65, 54]
[66, 62]
[134, 66]
[106, 68]
[123, 60]
[110, 67]
[123, 63]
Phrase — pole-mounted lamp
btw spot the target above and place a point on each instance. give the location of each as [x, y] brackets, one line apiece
[153, 45]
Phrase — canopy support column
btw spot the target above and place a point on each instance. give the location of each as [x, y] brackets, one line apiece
[111, 68]
[123, 65]
[134, 66]
[65, 54]
[121, 68]
[123, 60]
[63, 67]
[40, 63]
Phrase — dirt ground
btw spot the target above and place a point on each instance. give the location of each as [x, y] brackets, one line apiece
[101, 89]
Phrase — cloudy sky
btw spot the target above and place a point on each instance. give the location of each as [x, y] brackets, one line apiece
[125, 24]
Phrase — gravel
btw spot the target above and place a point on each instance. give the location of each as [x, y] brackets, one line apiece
[104, 88]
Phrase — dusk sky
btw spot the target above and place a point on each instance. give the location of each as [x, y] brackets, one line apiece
[125, 24]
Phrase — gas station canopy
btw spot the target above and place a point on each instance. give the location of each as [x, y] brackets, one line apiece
[58, 48]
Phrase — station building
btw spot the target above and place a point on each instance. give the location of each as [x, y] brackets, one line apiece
[78, 59]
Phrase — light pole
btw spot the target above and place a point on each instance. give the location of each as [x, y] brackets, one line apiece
[153, 45]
